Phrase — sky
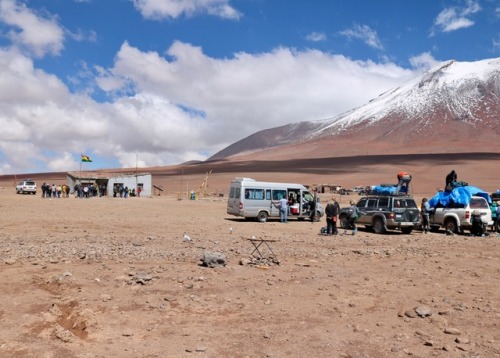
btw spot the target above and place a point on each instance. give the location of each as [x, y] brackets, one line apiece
[139, 83]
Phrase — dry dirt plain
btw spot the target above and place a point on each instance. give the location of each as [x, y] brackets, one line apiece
[109, 277]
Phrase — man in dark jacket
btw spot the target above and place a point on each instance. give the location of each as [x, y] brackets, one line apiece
[332, 213]
[451, 180]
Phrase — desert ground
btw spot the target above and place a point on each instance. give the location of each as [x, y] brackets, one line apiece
[111, 277]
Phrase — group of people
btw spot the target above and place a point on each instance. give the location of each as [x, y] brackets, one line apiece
[55, 191]
[284, 205]
[86, 191]
[332, 210]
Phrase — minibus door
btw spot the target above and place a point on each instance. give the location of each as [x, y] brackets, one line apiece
[276, 195]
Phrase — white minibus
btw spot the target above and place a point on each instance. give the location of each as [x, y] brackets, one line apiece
[253, 199]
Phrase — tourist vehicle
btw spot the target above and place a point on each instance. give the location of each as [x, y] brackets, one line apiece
[26, 186]
[253, 199]
[458, 219]
[384, 212]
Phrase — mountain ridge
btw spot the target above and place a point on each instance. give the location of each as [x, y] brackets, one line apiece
[453, 107]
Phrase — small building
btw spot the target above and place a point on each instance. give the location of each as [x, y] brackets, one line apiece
[108, 183]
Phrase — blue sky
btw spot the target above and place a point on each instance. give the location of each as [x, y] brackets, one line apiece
[160, 82]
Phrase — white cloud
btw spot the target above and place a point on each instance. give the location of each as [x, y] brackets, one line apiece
[496, 44]
[316, 36]
[455, 18]
[365, 34]
[424, 61]
[182, 107]
[159, 9]
[40, 35]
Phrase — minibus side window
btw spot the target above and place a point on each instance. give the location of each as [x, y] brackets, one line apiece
[254, 194]
[268, 194]
[279, 194]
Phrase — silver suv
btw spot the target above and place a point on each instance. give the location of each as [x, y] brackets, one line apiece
[26, 186]
[385, 212]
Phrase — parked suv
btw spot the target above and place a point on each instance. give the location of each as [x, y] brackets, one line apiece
[456, 219]
[26, 186]
[385, 212]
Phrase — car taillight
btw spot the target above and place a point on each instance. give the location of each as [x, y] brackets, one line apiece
[241, 205]
[467, 214]
[391, 215]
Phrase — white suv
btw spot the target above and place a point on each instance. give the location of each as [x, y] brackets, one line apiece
[26, 186]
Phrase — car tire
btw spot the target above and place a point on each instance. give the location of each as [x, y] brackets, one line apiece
[262, 216]
[378, 226]
[343, 222]
[451, 225]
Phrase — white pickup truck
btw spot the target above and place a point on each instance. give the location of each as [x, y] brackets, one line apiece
[457, 220]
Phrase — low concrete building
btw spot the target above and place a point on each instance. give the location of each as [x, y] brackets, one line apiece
[109, 183]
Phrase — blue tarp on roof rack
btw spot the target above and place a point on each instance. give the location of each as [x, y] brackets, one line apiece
[458, 196]
[387, 190]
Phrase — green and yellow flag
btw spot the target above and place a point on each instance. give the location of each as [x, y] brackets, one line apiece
[86, 158]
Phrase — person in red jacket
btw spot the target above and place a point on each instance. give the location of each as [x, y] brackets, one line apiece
[404, 180]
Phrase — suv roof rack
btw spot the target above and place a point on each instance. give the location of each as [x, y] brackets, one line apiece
[388, 194]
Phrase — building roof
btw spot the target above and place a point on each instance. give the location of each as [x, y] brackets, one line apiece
[102, 175]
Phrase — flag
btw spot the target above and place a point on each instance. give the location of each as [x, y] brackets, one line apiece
[86, 158]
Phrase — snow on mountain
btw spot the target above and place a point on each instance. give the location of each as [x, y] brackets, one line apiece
[460, 86]
[455, 107]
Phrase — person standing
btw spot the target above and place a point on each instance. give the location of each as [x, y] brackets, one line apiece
[351, 219]
[283, 207]
[332, 212]
[494, 217]
[425, 210]
[312, 207]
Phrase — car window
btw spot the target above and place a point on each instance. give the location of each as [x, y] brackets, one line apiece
[361, 203]
[254, 194]
[383, 202]
[372, 203]
[307, 196]
[478, 203]
[30, 183]
[408, 203]
[279, 194]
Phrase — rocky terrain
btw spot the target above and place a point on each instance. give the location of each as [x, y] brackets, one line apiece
[107, 277]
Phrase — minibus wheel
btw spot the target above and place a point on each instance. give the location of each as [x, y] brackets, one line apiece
[262, 216]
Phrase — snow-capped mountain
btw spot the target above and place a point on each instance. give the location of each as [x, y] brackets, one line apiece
[455, 107]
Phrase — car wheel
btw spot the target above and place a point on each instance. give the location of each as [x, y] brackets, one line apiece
[317, 216]
[378, 226]
[343, 222]
[262, 217]
[406, 230]
[451, 225]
